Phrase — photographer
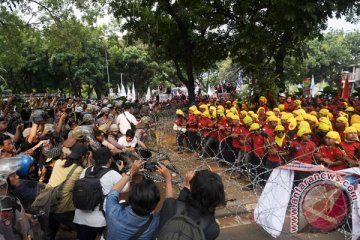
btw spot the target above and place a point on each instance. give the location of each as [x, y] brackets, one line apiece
[137, 218]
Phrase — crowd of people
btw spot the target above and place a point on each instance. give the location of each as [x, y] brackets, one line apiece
[256, 138]
[73, 148]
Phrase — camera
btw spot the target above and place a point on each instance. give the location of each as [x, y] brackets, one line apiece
[150, 166]
[39, 116]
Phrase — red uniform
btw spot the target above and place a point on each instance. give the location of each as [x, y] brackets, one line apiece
[351, 149]
[280, 154]
[304, 151]
[204, 125]
[180, 122]
[220, 134]
[244, 135]
[259, 143]
[332, 153]
[192, 123]
[269, 131]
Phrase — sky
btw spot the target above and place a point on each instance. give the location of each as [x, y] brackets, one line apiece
[338, 24]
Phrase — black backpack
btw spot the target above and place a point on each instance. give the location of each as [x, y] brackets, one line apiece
[182, 227]
[87, 191]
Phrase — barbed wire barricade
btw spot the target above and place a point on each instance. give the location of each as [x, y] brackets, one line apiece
[292, 199]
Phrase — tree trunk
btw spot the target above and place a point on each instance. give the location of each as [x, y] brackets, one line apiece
[279, 67]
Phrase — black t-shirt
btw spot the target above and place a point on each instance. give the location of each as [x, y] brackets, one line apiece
[168, 210]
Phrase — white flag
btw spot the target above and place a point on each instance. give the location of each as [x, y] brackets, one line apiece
[133, 93]
[148, 95]
[313, 88]
[128, 96]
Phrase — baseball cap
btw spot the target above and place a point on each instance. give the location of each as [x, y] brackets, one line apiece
[78, 150]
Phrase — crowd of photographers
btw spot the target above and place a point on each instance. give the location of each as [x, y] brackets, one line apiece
[68, 145]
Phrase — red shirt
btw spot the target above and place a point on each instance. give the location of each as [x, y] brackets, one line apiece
[332, 153]
[304, 151]
[277, 157]
[204, 125]
[269, 131]
[244, 135]
[221, 135]
[258, 143]
[192, 123]
[180, 122]
[350, 149]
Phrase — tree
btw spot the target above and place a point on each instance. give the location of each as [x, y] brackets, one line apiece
[187, 33]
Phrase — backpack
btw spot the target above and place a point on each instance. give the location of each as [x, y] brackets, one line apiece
[49, 198]
[87, 191]
[182, 227]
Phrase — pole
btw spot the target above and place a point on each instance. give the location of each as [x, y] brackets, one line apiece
[107, 70]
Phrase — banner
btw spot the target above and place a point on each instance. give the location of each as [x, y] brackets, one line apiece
[306, 86]
[164, 97]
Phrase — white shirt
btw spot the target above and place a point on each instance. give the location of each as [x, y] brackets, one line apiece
[124, 122]
[123, 143]
[96, 218]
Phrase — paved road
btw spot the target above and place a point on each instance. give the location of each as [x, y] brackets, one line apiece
[254, 232]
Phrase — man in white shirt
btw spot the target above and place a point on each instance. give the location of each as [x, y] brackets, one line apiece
[91, 223]
[124, 119]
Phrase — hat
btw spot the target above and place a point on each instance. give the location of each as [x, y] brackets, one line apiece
[344, 120]
[87, 118]
[104, 128]
[179, 112]
[247, 120]
[220, 107]
[272, 118]
[102, 155]
[298, 102]
[285, 116]
[78, 150]
[229, 115]
[203, 106]
[281, 107]
[299, 118]
[350, 109]
[220, 112]
[304, 124]
[270, 113]
[355, 119]
[235, 117]
[234, 110]
[302, 131]
[254, 127]
[292, 123]
[279, 128]
[26, 132]
[260, 109]
[193, 108]
[105, 109]
[212, 108]
[357, 126]
[197, 112]
[243, 112]
[206, 114]
[334, 135]
[79, 109]
[350, 130]
[276, 110]
[54, 152]
[262, 99]
[114, 127]
[282, 95]
[324, 111]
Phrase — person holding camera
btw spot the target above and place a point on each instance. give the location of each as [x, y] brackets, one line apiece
[137, 219]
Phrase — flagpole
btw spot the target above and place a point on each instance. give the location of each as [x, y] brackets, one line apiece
[107, 70]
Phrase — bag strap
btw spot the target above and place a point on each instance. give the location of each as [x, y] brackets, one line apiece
[127, 118]
[70, 173]
[182, 208]
[142, 229]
